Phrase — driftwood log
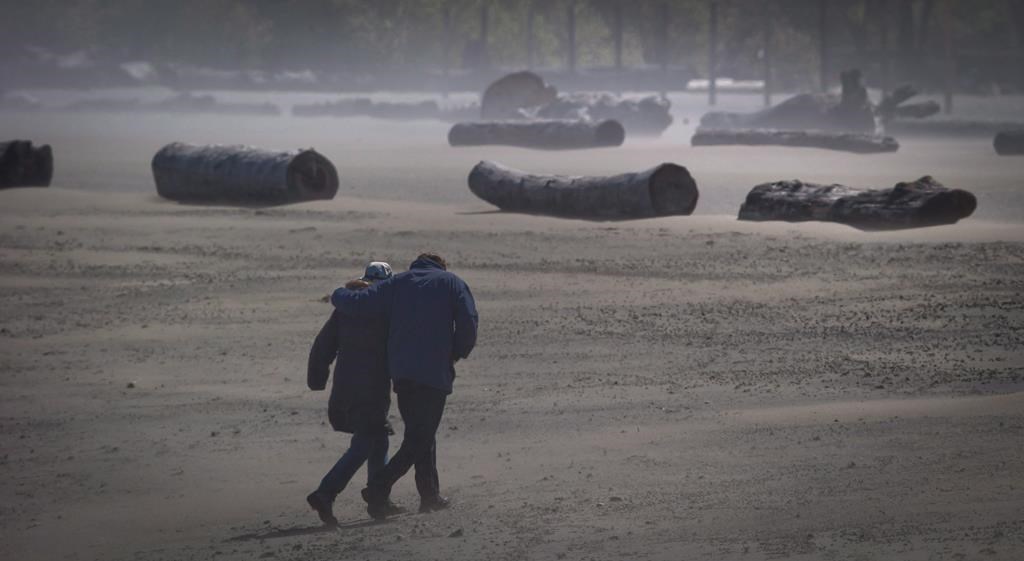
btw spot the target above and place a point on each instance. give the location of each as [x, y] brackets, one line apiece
[553, 134]
[1009, 143]
[242, 174]
[525, 95]
[847, 142]
[914, 204]
[667, 189]
[25, 165]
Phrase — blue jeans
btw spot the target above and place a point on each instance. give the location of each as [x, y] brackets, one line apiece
[372, 450]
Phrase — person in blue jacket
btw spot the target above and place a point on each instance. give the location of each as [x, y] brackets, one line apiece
[432, 325]
[360, 394]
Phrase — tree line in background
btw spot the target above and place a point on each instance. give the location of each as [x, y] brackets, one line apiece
[903, 37]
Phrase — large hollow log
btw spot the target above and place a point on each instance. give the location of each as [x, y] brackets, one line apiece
[847, 142]
[1009, 143]
[664, 190]
[242, 174]
[914, 204]
[25, 165]
[552, 134]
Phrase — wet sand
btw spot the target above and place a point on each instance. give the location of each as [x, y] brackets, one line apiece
[679, 388]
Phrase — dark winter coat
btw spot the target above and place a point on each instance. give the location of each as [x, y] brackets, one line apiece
[361, 392]
[433, 321]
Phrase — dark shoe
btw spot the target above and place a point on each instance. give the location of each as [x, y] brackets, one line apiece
[433, 504]
[322, 506]
[379, 507]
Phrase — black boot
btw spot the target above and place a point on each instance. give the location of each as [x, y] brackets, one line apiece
[435, 503]
[323, 507]
[378, 505]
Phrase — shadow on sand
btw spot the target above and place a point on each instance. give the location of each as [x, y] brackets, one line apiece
[275, 533]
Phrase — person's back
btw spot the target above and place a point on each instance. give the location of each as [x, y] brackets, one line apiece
[432, 321]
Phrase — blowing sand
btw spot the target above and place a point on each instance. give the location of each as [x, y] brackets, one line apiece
[678, 388]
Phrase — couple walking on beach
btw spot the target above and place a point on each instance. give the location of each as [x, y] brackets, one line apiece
[407, 329]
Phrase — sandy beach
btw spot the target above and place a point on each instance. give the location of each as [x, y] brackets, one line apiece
[676, 388]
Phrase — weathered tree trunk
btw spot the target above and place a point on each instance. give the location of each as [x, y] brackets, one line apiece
[664, 190]
[242, 174]
[924, 202]
[847, 142]
[1010, 143]
[551, 134]
[24, 165]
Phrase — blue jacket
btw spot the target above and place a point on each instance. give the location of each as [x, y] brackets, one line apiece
[432, 318]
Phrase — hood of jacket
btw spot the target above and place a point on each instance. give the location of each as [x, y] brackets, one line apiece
[424, 263]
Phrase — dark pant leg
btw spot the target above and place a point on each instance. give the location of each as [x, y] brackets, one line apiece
[350, 462]
[421, 408]
[427, 482]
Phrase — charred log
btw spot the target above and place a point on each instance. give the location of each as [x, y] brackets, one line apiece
[25, 165]
[1009, 143]
[544, 134]
[847, 142]
[242, 175]
[924, 202]
[667, 189]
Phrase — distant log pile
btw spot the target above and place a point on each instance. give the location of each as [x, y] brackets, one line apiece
[242, 175]
[366, 107]
[851, 111]
[525, 96]
[182, 103]
[924, 202]
[25, 165]
[1009, 143]
[664, 190]
[543, 134]
[848, 142]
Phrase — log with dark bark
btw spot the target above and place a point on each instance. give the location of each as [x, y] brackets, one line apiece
[1009, 143]
[25, 165]
[242, 175]
[914, 204]
[847, 142]
[550, 134]
[664, 190]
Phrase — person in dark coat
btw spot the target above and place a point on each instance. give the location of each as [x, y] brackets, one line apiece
[360, 394]
[433, 324]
